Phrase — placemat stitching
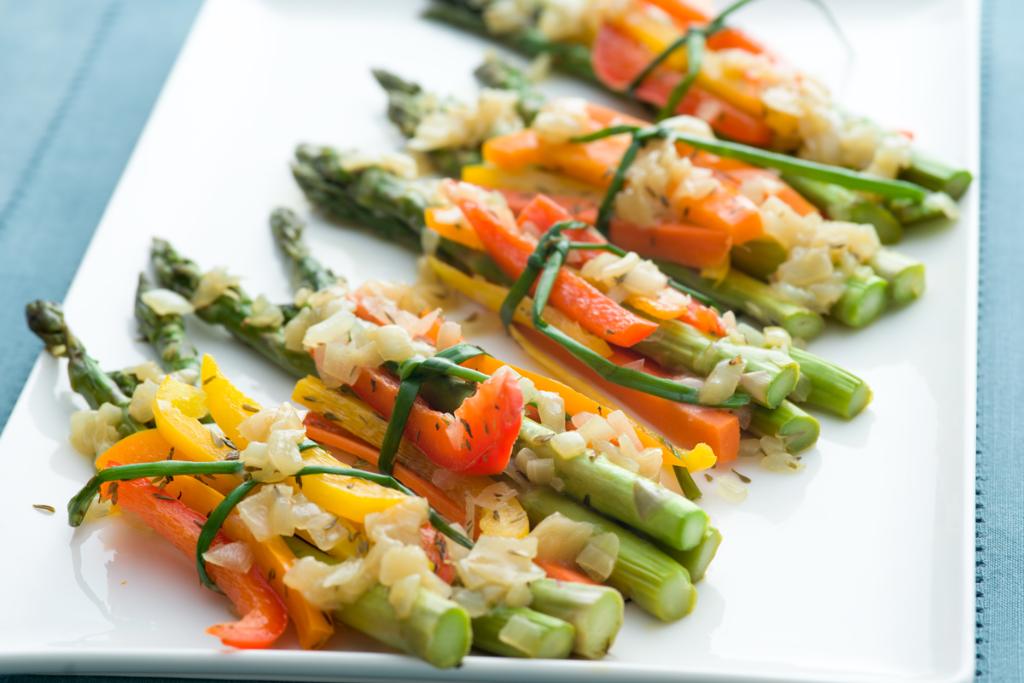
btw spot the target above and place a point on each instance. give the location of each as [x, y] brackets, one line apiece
[980, 468]
[27, 175]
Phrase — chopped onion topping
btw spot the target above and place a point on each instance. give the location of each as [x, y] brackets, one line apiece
[213, 285]
[264, 314]
[599, 555]
[166, 302]
[560, 539]
[521, 633]
[723, 380]
[94, 431]
[236, 556]
[568, 445]
[552, 410]
[141, 407]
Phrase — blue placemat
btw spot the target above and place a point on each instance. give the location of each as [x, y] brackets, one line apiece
[79, 77]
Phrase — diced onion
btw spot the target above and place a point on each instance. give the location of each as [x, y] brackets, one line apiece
[568, 444]
[723, 380]
[449, 334]
[166, 302]
[213, 285]
[599, 555]
[552, 410]
[560, 539]
[94, 431]
[540, 471]
[521, 633]
[141, 407]
[236, 556]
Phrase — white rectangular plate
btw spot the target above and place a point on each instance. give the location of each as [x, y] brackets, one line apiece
[858, 568]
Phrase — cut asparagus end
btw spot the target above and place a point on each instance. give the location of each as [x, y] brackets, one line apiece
[798, 430]
[643, 573]
[863, 300]
[438, 630]
[887, 227]
[937, 176]
[906, 276]
[596, 612]
[523, 632]
[696, 560]
[832, 388]
[759, 258]
[620, 494]
[741, 292]
[782, 386]
[842, 204]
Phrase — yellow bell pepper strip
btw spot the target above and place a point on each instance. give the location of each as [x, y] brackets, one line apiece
[177, 408]
[361, 434]
[272, 556]
[345, 497]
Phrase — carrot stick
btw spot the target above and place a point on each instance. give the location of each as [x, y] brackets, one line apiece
[689, 245]
[683, 424]
[560, 572]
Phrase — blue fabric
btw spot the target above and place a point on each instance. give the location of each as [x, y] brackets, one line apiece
[79, 77]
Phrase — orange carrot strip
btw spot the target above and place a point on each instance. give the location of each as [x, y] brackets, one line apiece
[560, 572]
[689, 245]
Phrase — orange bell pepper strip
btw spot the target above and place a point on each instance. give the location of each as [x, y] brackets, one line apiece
[571, 294]
[683, 424]
[476, 439]
[515, 150]
[326, 433]
[617, 58]
[449, 223]
[263, 614]
[272, 556]
[560, 572]
[689, 245]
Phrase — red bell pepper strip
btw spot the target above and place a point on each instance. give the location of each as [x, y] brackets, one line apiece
[571, 294]
[477, 439]
[435, 545]
[264, 617]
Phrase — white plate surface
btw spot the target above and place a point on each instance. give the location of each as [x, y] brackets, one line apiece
[858, 568]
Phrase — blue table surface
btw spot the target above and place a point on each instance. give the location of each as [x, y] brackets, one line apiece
[78, 79]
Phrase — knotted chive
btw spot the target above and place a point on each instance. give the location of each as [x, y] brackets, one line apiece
[695, 40]
[411, 373]
[213, 524]
[542, 267]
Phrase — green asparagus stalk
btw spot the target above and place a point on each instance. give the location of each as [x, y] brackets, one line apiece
[863, 300]
[596, 612]
[620, 494]
[396, 206]
[166, 334]
[832, 388]
[523, 632]
[740, 292]
[798, 430]
[758, 258]
[841, 204]
[904, 275]
[46, 320]
[678, 347]
[697, 559]
[642, 572]
[570, 58]
[437, 631]
[574, 60]
[937, 176]
[499, 74]
[307, 272]
[230, 310]
[407, 106]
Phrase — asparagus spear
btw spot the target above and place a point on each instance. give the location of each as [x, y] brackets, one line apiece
[738, 291]
[438, 630]
[571, 58]
[574, 59]
[596, 612]
[166, 333]
[642, 572]
[832, 388]
[904, 275]
[615, 491]
[373, 193]
[46, 320]
[697, 559]
[863, 300]
[307, 272]
[407, 106]
[841, 204]
[523, 632]
[230, 310]
[798, 430]
[497, 73]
